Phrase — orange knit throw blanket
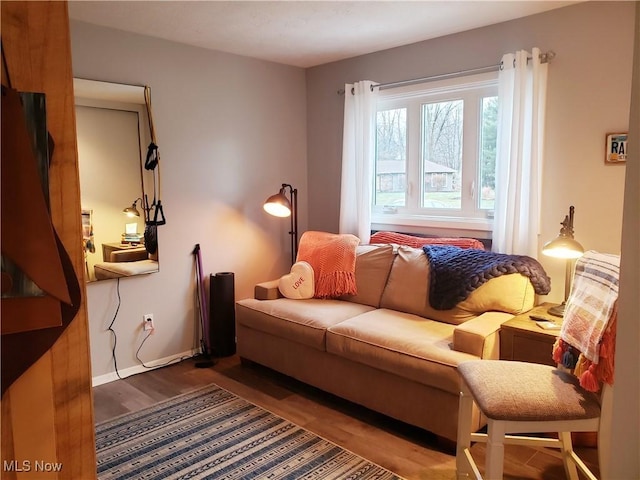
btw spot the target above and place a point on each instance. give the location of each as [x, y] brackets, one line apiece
[333, 258]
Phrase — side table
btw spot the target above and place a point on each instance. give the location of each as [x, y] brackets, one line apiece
[523, 340]
[108, 248]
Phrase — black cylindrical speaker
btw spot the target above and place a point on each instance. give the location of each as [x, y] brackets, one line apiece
[222, 317]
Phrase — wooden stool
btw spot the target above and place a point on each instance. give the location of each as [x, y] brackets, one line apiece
[519, 397]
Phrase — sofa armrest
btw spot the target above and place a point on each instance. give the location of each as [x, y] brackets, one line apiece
[480, 335]
[267, 290]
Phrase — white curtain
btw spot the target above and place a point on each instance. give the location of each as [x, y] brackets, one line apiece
[358, 150]
[521, 116]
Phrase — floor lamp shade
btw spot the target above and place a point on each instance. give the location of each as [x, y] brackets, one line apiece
[279, 205]
[564, 246]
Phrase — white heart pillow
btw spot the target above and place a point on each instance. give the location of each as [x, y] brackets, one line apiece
[299, 284]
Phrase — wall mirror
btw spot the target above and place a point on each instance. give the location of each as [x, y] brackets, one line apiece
[113, 135]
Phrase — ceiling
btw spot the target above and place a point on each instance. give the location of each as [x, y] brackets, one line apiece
[302, 33]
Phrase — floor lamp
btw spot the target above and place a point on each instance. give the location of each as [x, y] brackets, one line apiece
[564, 246]
[279, 205]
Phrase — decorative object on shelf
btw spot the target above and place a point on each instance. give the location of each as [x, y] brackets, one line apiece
[564, 246]
[279, 205]
[616, 149]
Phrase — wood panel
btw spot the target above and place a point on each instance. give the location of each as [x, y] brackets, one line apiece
[47, 414]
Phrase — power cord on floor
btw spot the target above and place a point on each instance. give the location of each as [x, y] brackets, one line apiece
[115, 342]
[113, 332]
[170, 362]
[166, 364]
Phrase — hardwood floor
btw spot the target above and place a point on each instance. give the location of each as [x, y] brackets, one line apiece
[409, 452]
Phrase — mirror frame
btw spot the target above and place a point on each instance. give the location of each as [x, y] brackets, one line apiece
[131, 98]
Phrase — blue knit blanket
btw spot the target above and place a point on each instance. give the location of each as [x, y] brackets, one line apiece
[456, 272]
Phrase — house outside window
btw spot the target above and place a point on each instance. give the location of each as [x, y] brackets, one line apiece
[435, 154]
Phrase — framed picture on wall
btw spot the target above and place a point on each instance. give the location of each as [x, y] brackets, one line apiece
[616, 148]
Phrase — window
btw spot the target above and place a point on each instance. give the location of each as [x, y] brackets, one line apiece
[435, 154]
[391, 157]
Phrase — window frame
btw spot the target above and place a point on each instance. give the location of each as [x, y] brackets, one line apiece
[471, 89]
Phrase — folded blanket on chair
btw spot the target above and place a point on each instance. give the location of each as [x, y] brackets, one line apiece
[587, 337]
[590, 304]
[456, 272]
[333, 258]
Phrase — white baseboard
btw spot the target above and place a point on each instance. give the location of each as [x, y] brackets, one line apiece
[127, 372]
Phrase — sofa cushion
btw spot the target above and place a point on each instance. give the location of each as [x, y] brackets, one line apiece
[417, 242]
[407, 290]
[400, 343]
[302, 321]
[106, 270]
[511, 293]
[373, 264]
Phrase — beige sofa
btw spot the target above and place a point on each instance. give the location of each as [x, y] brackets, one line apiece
[384, 348]
[127, 263]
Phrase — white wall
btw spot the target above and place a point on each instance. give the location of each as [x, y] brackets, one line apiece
[625, 441]
[588, 96]
[231, 130]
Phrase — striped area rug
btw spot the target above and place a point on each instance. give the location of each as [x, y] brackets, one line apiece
[214, 434]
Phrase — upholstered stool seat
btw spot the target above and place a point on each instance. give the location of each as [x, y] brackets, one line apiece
[525, 398]
[525, 392]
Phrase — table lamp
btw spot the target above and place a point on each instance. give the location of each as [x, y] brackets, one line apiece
[564, 246]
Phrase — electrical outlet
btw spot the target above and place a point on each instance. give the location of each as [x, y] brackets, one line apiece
[147, 321]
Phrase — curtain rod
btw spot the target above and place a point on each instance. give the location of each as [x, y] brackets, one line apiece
[544, 58]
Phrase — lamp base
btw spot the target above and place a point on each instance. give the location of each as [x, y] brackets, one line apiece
[558, 310]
